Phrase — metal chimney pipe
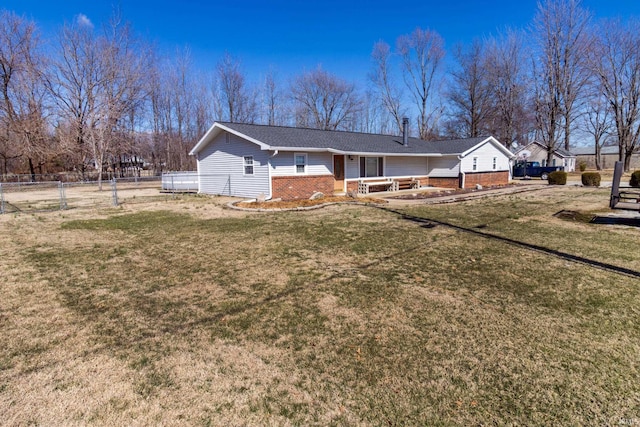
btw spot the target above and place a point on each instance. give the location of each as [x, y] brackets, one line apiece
[405, 131]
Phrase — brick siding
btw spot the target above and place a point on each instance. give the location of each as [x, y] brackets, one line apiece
[446, 182]
[486, 179]
[300, 187]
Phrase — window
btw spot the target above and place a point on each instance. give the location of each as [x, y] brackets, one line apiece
[495, 163]
[248, 165]
[300, 161]
[371, 166]
[475, 163]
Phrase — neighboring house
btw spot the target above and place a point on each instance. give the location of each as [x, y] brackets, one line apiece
[290, 163]
[608, 157]
[538, 153]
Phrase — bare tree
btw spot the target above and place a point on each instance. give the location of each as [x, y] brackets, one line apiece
[615, 60]
[324, 101]
[22, 115]
[422, 52]
[469, 93]
[386, 89]
[240, 103]
[509, 121]
[597, 123]
[274, 102]
[98, 84]
[74, 82]
[560, 28]
[120, 90]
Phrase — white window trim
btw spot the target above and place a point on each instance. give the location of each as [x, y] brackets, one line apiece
[306, 163]
[378, 167]
[244, 166]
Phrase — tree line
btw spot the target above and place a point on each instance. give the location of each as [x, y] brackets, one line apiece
[93, 99]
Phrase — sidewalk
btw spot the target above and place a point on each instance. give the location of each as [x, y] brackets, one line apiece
[476, 194]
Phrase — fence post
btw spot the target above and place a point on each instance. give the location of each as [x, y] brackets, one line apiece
[114, 192]
[229, 184]
[1, 200]
[63, 196]
[173, 187]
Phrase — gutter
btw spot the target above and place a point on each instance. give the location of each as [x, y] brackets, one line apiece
[462, 174]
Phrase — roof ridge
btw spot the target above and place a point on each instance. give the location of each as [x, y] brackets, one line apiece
[351, 132]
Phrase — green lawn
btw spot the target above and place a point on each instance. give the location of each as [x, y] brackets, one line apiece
[487, 312]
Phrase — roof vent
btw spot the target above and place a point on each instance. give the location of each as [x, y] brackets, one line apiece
[405, 131]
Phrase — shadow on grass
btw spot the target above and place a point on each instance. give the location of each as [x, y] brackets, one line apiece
[608, 220]
[428, 223]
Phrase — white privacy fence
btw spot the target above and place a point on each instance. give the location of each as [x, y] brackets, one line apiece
[187, 182]
[180, 181]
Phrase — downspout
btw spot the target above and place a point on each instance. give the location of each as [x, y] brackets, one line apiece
[462, 175]
[270, 195]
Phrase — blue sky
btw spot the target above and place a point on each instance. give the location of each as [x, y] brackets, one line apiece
[295, 36]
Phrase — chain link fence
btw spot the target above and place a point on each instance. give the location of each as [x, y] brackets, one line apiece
[58, 195]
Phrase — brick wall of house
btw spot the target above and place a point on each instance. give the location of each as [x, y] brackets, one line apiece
[486, 179]
[300, 187]
[424, 180]
[451, 182]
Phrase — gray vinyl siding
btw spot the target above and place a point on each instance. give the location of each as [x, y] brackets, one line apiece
[221, 167]
[443, 167]
[318, 163]
[405, 166]
[485, 154]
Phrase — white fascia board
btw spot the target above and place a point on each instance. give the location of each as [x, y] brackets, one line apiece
[493, 141]
[352, 153]
[301, 149]
[366, 154]
[215, 130]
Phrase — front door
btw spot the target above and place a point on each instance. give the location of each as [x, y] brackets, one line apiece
[338, 173]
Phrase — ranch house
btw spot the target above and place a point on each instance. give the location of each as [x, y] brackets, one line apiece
[291, 163]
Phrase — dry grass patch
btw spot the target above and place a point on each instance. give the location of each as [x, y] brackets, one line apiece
[305, 203]
[187, 314]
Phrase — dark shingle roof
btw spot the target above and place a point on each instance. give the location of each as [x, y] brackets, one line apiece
[591, 150]
[558, 151]
[564, 153]
[279, 137]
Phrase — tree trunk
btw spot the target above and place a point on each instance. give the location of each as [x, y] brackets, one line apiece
[598, 157]
[627, 160]
[32, 170]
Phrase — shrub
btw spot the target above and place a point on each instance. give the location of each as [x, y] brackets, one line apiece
[558, 178]
[591, 179]
[582, 165]
[635, 179]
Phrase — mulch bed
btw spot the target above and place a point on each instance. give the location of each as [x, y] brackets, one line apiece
[440, 193]
[292, 204]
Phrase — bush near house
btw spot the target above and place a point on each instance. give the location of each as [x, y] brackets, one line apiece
[635, 179]
[591, 179]
[558, 178]
[583, 166]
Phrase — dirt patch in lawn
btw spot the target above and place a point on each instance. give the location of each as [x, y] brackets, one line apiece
[305, 203]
